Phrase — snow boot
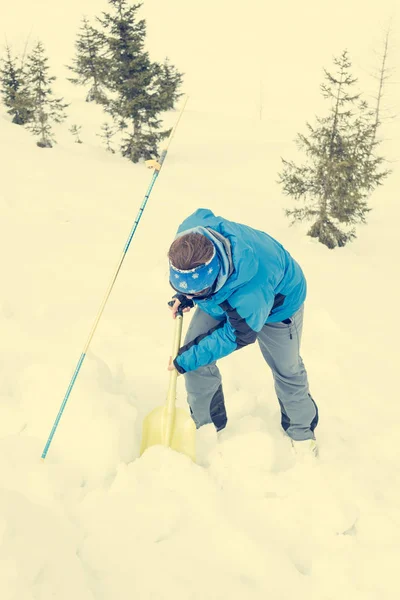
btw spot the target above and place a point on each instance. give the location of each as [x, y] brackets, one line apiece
[305, 448]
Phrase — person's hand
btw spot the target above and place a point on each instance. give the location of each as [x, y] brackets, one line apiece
[171, 366]
[176, 305]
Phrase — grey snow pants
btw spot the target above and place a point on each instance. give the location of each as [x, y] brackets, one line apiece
[280, 347]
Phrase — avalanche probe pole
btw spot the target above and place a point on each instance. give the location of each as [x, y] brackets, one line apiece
[152, 164]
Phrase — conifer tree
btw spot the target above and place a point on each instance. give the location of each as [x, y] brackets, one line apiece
[90, 64]
[15, 94]
[47, 109]
[141, 89]
[342, 168]
[106, 135]
[383, 74]
[76, 130]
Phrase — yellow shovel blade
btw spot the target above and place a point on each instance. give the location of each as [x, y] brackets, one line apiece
[183, 438]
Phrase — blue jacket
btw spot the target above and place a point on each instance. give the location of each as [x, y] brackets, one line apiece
[259, 283]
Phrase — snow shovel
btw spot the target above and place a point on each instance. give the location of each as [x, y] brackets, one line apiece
[167, 425]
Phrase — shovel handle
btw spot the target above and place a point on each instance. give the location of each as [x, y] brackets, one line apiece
[177, 334]
[171, 396]
[179, 312]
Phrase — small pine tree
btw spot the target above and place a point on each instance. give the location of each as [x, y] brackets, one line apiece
[15, 94]
[47, 110]
[342, 168]
[141, 89]
[89, 63]
[75, 130]
[106, 135]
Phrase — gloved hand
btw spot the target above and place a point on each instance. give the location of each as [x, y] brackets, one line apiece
[180, 302]
[184, 301]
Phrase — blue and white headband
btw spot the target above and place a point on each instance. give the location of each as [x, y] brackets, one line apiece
[195, 280]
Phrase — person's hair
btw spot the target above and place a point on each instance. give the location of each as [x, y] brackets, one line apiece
[190, 250]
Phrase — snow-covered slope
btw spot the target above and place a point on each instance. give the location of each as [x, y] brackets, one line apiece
[94, 521]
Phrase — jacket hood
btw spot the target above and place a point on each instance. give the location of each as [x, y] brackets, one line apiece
[238, 264]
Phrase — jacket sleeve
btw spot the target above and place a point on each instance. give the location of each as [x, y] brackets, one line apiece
[246, 315]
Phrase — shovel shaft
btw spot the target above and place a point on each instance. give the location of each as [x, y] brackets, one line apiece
[171, 396]
[177, 336]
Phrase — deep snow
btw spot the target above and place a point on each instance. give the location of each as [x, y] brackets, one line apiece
[94, 521]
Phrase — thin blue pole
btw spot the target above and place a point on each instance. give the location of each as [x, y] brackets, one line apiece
[83, 355]
[157, 167]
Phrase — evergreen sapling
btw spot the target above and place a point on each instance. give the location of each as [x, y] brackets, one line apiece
[14, 91]
[47, 110]
[89, 64]
[75, 130]
[106, 135]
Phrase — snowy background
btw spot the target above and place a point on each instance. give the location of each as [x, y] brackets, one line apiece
[94, 522]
